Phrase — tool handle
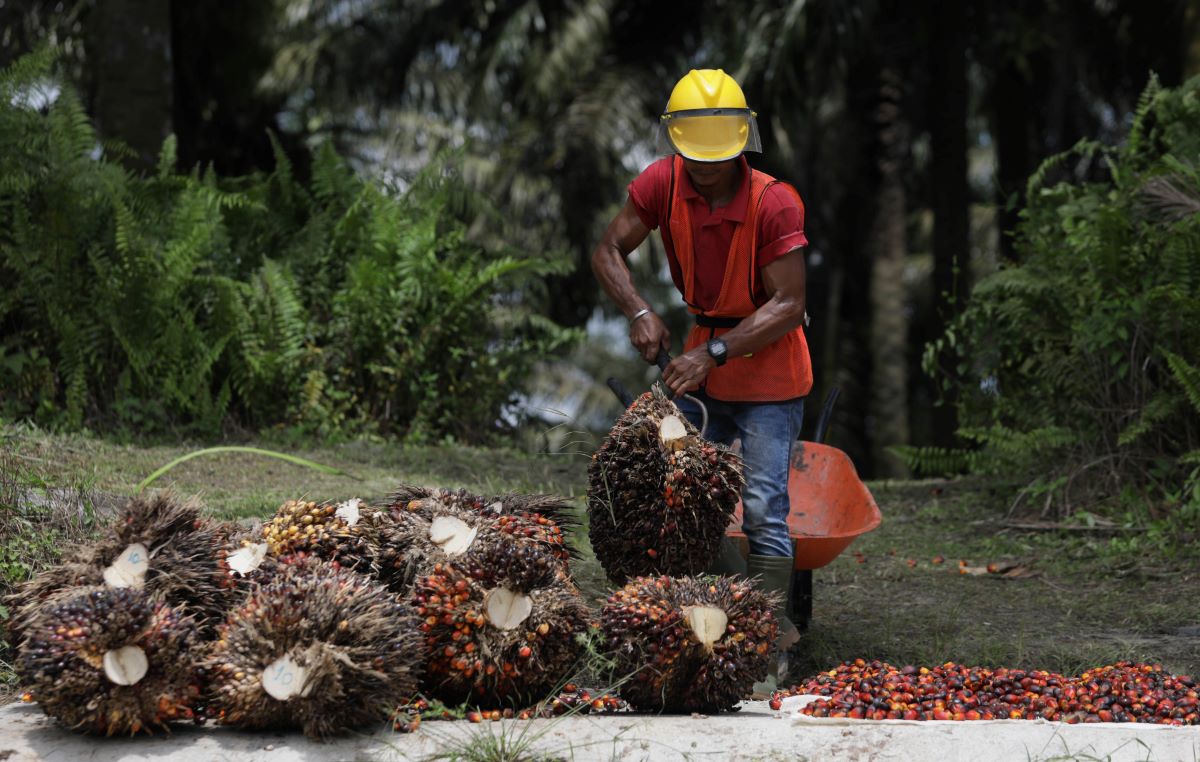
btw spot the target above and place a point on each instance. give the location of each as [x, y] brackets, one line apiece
[619, 389]
[663, 359]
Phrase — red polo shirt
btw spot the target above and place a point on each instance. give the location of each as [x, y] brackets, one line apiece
[780, 225]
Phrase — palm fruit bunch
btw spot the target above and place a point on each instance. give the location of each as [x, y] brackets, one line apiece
[551, 507]
[691, 644]
[541, 520]
[417, 499]
[418, 539]
[346, 532]
[501, 625]
[427, 532]
[317, 647]
[111, 660]
[659, 496]
[408, 497]
[159, 544]
[244, 558]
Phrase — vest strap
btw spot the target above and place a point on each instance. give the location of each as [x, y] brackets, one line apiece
[708, 321]
[779, 371]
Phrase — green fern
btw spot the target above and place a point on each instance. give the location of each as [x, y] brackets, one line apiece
[1155, 412]
[187, 300]
[936, 461]
[1187, 375]
[1070, 363]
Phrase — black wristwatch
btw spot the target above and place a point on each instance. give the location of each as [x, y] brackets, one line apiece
[718, 351]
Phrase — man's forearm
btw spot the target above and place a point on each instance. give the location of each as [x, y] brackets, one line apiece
[612, 272]
[766, 325]
[785, 279]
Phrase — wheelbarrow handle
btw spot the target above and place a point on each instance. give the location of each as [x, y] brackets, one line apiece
[826, 415]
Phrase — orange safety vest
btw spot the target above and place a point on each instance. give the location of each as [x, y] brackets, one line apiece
[781, 370]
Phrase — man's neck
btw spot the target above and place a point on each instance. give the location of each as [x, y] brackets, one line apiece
[722, 194]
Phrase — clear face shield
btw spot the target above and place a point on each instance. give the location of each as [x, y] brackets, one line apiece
[709, 134]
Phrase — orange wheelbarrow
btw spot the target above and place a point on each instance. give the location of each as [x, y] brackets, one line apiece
[830, 506]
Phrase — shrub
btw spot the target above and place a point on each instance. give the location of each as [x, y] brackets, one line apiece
[189, 301]
[1078, 366]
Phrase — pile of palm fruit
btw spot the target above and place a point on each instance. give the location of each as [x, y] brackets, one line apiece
[329, 617]
[1122, 692]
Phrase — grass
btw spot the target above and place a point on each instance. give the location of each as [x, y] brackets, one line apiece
[1088, 598]
[37, 519]
[511, 742]
[235, 485]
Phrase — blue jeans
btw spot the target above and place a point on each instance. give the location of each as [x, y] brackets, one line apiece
[767, 431]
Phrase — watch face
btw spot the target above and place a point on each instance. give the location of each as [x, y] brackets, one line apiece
[716, 348]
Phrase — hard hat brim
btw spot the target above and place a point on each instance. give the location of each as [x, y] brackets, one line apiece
[709, 135]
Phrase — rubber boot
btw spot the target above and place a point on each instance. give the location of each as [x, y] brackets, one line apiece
[773, 574]
[729, 559]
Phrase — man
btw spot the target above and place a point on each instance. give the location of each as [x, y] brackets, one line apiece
[734, 239]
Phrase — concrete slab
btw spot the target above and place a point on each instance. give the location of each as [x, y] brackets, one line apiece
[755, 733]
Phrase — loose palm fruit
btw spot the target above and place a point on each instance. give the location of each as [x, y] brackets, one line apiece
[111, 661]
[572, 699]
[1123, 692]
[690, 644]
[501, 626]
[659, 496]
[158, 543]
[317, 647]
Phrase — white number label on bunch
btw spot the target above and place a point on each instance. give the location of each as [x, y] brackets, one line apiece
[284, 678]
[129, 570]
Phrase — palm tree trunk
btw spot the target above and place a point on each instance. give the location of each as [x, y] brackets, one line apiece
[1012, 117]
[951, 195]
[130, 53]
[888, 403]
[1191, 56]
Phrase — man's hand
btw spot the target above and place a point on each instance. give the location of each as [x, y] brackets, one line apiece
[688, 371]
[648, 334]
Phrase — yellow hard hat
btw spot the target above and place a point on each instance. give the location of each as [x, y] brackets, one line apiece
[707, 118]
